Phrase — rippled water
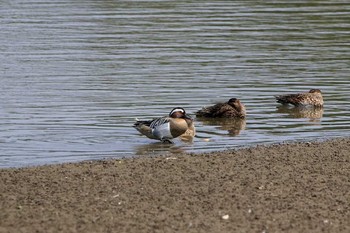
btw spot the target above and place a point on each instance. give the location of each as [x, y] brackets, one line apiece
[76, 74]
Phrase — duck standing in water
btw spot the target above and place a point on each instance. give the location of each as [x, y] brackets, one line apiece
[167, 128]
[311, 98]
[231, 109]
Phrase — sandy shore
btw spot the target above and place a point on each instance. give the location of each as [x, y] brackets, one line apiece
[300, 187]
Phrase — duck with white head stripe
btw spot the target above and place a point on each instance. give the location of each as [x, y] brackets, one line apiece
[167, 128]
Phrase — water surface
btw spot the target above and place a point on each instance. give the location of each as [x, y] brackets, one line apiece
[76, 74]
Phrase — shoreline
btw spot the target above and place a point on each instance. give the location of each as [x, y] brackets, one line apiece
[293, 187]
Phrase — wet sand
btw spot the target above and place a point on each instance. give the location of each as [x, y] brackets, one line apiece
[299, 187]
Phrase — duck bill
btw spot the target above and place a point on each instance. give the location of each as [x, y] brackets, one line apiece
[188, 117]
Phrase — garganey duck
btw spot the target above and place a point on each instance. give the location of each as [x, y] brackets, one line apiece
[167, 128]
[231, 109]
[311, 98]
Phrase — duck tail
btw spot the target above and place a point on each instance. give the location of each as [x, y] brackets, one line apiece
[204, 112]
[279, 99]
[138, 123]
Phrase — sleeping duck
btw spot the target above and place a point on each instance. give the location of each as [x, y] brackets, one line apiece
[231, 109]
[311, 98]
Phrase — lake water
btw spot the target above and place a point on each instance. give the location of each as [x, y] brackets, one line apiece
[75, 74]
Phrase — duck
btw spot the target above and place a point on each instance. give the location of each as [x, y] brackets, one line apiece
[233, 108]
[166, 128]
[311, 98]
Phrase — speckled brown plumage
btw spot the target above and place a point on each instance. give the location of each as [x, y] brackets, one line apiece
[313, 97]
[231, 109]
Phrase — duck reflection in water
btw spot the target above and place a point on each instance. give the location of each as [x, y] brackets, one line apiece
[189, 134]
[313, 113]
[158, 148]
[233, 126]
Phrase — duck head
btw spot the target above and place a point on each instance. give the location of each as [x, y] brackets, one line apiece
[233, 101]
[236, 103]
[179, 112]
[315, 91]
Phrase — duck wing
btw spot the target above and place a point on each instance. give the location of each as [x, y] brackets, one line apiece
[211, 111]
[152, 123]
[154, 129]
[161, 128]
[158, 122]
[226, 110]
[294, 99]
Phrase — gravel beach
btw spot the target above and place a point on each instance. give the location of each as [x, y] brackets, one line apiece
[296, 187]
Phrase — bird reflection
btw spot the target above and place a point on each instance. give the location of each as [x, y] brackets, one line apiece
[313, 113]
[158, 148]
[233, 125]
[188, 135]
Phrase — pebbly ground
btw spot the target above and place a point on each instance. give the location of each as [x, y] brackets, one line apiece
[298, 187]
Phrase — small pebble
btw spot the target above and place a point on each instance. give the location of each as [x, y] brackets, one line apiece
[225, 217]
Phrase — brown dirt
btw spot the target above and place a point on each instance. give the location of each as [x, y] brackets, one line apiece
[299, 187]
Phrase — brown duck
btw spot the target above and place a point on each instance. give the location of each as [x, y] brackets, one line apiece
[231, 109]
[313, 98]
